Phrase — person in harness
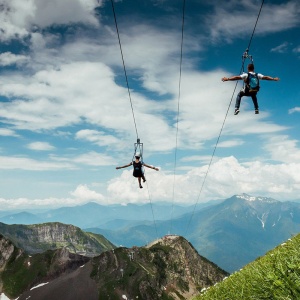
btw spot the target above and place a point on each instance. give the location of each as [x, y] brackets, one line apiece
[251, 87]
[138, 169]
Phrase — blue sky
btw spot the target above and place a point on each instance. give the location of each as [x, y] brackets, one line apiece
[65, 114]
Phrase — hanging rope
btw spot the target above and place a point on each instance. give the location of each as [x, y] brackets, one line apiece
[149, 197]
[138, 144]
[223, 124]
[120, 45]
[178, 108]
[250, 41]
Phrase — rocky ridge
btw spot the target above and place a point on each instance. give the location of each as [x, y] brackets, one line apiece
[40, 237]
[169, 268]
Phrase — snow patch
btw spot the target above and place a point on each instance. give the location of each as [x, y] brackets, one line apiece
[39, 285]
[252, 198]
[263, 219]
[3, 297]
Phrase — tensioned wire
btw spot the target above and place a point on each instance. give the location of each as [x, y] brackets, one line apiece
[223, 124]
[129, 95]
[125, 73]
[178, 109]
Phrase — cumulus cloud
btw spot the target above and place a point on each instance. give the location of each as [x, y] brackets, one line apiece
[8, 58]
[226, 177]
[8, 132]
[40, 146]
[224, 23]
[293, 110]
[83, 193]
[52, 99]
[74, 89]
[19, 17]
[283, 149]
[99, 138]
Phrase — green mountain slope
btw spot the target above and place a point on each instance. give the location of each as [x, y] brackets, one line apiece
[170, 268]
[274, 276]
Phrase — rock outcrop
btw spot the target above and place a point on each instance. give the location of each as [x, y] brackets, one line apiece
[41, 237]
[170, 268]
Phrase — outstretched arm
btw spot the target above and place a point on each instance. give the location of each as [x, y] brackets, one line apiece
[124, 166]
[151, 167]
[232, 78]
[270, 78]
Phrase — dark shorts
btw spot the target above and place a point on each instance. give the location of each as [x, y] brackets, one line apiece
[137, 173]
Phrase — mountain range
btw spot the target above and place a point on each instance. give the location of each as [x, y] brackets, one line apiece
[231, 233]
[96, 215]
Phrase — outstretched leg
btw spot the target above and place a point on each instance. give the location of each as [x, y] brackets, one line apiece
[255, 103]
[140, 183]
[238, 101]
[143, 177]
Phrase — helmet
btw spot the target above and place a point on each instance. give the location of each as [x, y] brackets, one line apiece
[137, 155]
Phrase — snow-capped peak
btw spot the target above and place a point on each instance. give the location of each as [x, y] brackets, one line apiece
[252, 198]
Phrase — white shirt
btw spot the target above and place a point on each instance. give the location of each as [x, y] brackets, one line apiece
[245, 75]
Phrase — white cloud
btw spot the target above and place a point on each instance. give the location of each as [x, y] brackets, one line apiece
[94, 159]
[13, 15]
[26, 203]
[230, 143]
[297, 49]
[83, 193]
[281, 48]
[24, 163]
[63, 12]
[97, 137]
[201, 158]
[8, 132]
[40, 146]
[78, 82]
[19, 16]
[230, 22]
[8, 58]
[56, 98]
[226, 177]
[293, 110]
[283, 149]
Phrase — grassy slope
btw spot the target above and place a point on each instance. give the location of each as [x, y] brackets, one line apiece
[19, 275]
[273, 276]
